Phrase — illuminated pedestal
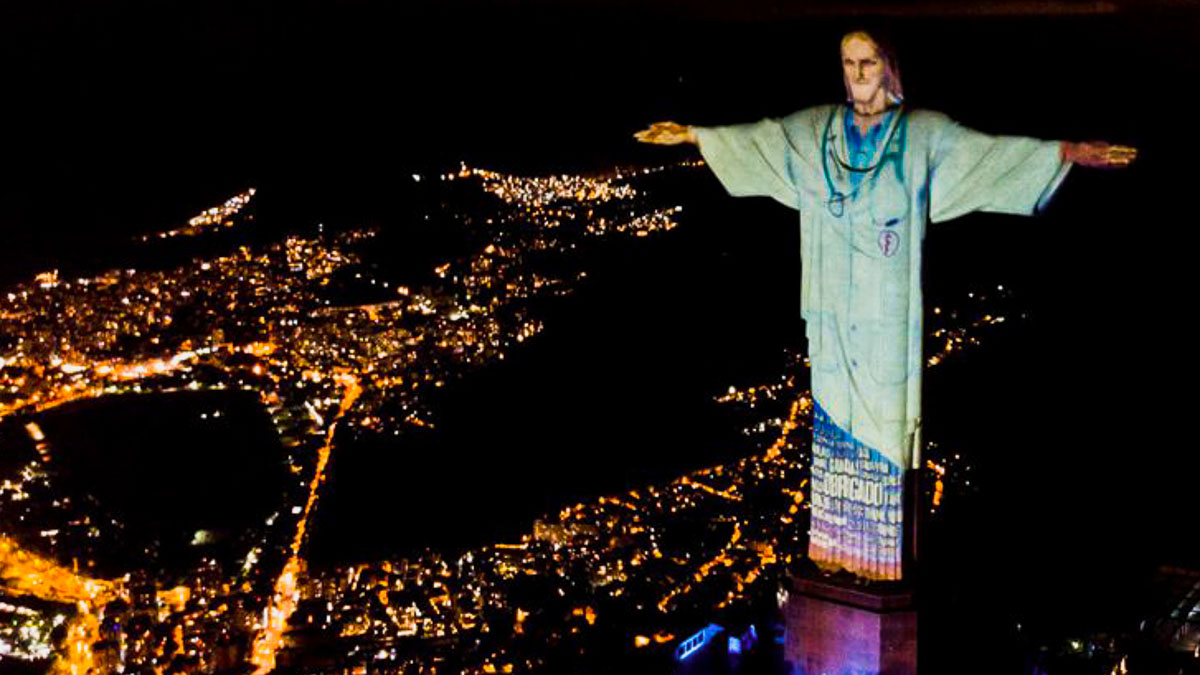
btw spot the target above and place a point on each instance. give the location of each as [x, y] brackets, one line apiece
[841, 630]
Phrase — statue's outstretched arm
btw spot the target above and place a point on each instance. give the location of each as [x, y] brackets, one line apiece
[1098, 154]
[667, 133]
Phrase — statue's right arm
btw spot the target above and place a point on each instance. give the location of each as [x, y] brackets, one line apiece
[667, 133]
[748, 159]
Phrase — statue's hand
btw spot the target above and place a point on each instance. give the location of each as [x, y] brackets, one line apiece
[666, 133]
[1099, 154]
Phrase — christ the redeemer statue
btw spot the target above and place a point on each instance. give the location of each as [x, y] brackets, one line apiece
[866, 177]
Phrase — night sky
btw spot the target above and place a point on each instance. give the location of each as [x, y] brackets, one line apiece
[124, 116]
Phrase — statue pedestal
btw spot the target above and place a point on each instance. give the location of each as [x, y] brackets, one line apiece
[837, 629]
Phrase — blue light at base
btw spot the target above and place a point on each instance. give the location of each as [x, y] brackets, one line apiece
[747, 640]
[697, 641]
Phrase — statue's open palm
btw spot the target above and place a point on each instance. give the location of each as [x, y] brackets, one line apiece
[666, 133]
[1099, 154]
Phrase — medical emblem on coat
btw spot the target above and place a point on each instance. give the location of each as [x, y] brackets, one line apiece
[889, 243]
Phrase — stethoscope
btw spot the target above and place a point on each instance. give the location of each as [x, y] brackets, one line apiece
[837, 199]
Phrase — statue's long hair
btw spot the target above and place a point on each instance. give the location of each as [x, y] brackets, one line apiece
[886, 51]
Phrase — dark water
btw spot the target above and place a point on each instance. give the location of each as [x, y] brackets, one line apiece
[167, 465]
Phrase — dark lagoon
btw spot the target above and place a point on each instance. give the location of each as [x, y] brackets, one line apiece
[166, 466]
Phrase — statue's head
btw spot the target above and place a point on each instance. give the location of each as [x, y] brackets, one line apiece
[869, 68]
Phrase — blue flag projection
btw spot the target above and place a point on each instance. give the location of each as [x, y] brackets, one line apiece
[865, 190]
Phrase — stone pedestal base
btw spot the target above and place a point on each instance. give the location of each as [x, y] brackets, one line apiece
[844, 630]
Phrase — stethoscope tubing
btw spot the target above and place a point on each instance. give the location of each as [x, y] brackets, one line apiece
[837, 199]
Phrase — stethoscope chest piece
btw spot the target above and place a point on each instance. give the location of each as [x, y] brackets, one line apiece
[837, 204]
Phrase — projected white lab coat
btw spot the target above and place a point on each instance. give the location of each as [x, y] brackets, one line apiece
[861, 249]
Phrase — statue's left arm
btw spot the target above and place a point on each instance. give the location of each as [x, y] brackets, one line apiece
[1098, 154]
[972, 171]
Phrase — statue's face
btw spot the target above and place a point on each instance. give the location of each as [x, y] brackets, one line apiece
[863, 69]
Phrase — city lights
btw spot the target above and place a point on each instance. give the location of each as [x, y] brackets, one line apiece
[288, 321]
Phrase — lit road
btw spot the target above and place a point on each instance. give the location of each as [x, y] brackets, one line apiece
[286, 595]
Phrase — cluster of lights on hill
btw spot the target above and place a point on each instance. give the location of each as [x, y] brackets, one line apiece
[208, 220]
